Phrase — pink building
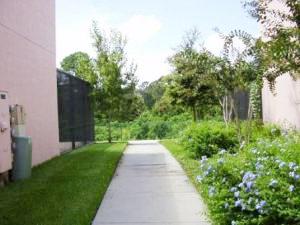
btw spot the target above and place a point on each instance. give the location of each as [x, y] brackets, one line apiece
[28, 72]
[282, 106]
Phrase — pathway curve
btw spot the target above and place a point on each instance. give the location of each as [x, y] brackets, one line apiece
[150, 188]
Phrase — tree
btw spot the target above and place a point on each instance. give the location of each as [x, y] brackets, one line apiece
[238, 70]
[153, 92]
[165, 106]
[114, 83]
[235, 71]
[116, 86]
[281, 42]
[192, 86]
[80, 64]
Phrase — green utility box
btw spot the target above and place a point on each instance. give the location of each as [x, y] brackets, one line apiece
[22, 149]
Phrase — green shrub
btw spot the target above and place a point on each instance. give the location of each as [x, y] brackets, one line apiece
[139, 130]
[258, 185]
[259, 131]
[159, 130]
[147, 126]
[208, 138]
[119, 132]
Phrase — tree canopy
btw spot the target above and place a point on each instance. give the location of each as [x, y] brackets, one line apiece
[280, 44]
[114, 82]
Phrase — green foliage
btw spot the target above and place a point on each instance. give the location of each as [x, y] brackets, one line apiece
[165, 106]
[280, 48]
[147, 126]
[255, 100]
[192, 86]
[119, 131]
[260, 131]
[113, 81]
[81, 65]
[236, 72]
[259, 184]
[208, 138]
[61, 189]
[153, 92]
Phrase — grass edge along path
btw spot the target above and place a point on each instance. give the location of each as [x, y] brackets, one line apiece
[65, 190]
[190, 165]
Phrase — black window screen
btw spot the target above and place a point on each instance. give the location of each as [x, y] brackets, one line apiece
[76, 117]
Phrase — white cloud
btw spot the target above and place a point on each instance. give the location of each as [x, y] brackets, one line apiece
[77, 37]
[140, 28]
[152, 66]
[214, 43]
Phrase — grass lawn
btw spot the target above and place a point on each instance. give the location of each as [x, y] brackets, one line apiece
[190, 165]
[66, 190]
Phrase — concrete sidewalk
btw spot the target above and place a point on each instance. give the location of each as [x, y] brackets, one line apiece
[150, 187]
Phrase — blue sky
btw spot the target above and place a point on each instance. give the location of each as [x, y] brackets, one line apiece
[153, 28]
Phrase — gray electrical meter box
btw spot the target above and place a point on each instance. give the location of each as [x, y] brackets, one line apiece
[5, 137]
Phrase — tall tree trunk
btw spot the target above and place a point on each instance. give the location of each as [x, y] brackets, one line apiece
[109, 129]
[194, 113]
[249, 122]
[227, 107]
[121, 133]
[223, 103]
[199, 114]
[236, 117]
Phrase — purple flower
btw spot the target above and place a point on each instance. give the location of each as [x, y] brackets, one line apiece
[292, 165]
[211, 191]
[254, 150]
[226, 205]
[282, 164]
[258, 166]
[204, 158]
[220, 161]
[237, 194]
[292, 174]
[249, 176]
[199, 178]
[238, 203]
[233, 189]
[249, 185]
[273, 183]
[223, 151]
[209, 169]
[291, 188]
[259, 207]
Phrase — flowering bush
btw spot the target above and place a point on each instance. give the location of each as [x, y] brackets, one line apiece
[208, 137]
[258, 185]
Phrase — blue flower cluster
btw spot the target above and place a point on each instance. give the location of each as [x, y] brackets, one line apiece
[250, 181]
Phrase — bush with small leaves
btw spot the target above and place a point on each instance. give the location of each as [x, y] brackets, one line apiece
[208, 138]
[258, 185]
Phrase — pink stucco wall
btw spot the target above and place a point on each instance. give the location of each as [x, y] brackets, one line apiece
[28, 71]
[283, 106]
